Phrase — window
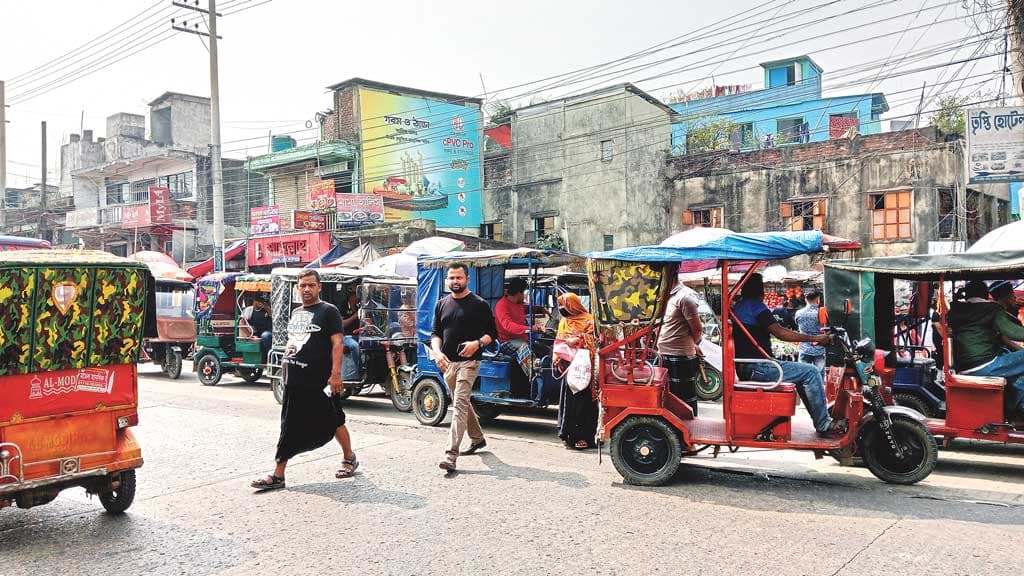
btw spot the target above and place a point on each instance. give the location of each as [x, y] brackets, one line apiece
[742, 136]
[788, 130]
[803, 215]
[116, 192]
[118, 249]
[609, 241]
[890, 215]
[180, 185]
[787, 75]
[491, 231]
[947, 214]
[607, 150]
[140, 191]
[543, 225]
[707, 217]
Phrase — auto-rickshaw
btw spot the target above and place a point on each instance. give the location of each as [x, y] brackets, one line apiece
[71, 329]
[973, 406]
[386, 334]
[650, 429]
[501, 381]
[175, 326]
[225, 342]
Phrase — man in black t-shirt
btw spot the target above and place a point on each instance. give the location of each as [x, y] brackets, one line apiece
[313, 355]
[463, 326]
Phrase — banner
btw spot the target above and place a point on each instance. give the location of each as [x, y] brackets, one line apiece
[995, 145]
[304, 220]
[264, 220]
[297, 248]
[159, 205]
[360, 209]
[320, 195]
[423, 157]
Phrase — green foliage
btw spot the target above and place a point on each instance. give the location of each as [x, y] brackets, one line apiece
[502, 113]
[950, 117]
[551, 242]
[709, 136]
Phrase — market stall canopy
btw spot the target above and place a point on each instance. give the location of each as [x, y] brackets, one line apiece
[400, 264]
[206, 266]
[727, 246]
[981, 266]
[357, 257]
[1000, 238]
[514, 257]
[161, 265]
[434, 245]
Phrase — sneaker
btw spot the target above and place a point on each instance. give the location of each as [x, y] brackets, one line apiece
[447, 464]
[473, 448]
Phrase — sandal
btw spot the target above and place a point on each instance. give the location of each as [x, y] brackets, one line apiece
[271, 482]
[353, 465]
[581, 445]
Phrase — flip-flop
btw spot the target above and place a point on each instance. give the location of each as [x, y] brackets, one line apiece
[342, 473]
[270, 482]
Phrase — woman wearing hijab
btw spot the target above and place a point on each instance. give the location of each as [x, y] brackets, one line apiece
[577, 412]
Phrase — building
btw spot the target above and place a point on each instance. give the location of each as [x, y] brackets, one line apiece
[790, 109]
[111, 181]
[896, 193]
[386, 155]
[585, 172]
[26, 214]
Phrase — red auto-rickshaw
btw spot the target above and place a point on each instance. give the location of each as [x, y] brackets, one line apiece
[71, 328]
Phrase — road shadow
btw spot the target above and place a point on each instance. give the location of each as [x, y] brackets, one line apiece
[361, 490]
[502, 471]
[996, 471]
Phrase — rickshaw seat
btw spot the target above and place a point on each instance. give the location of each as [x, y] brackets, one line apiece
[753, 386]
[966, 380]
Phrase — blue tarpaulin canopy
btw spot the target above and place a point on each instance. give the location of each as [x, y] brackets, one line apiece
[731, 246]
[513, 257]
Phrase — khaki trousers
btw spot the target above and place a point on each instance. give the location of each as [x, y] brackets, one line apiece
[460, 377]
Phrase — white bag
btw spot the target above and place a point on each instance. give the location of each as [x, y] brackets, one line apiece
[578, 376]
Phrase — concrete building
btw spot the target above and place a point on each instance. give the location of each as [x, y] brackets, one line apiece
[588, 169]
[896, 193]
[790, 109]
[109, 181]
[25, 213]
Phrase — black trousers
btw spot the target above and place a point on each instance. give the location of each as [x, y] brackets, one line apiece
[682, 378]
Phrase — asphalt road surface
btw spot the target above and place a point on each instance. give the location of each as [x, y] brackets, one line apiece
[526, 505]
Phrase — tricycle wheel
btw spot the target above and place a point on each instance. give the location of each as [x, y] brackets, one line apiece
[277, 386]
[402, 397]
[118, 500]
[646, 450]
[920, 452]
[209, 370]
[709, 384]
[429, 402]
[345, 393]
[914, 402]
[486, 412]
[250, 375]
[172, 364]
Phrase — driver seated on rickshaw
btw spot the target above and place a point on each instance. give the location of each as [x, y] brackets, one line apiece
[349, 324]
[258, 317]
[759, 321]
[978, 327]
[513, 331]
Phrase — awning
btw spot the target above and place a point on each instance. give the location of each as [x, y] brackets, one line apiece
[981, 266]
[515, 257]
[731, 246]
[206, 266]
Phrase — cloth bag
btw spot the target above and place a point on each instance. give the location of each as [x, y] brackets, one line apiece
[578, 376]
[562, 350]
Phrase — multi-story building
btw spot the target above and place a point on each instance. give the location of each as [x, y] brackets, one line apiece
[26, 213]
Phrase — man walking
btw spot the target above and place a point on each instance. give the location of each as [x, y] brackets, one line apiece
[313, 355]
[808, 322]
[463, 327]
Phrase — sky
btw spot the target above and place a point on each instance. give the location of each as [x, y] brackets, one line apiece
[278, 57]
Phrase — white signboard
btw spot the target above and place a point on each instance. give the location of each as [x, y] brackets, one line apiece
[995, 145]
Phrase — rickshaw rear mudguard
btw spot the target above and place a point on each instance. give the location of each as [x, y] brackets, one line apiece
[663, 413]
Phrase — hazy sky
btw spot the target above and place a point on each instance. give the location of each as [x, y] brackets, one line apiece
[277, 58]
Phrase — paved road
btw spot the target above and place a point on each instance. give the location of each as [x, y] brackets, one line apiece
[528, 506]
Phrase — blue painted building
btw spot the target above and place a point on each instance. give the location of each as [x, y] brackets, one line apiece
[790, 109]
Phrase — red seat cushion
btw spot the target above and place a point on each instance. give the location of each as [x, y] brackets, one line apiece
[785, 387]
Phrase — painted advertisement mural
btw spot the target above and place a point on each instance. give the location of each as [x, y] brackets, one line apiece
[423, 157]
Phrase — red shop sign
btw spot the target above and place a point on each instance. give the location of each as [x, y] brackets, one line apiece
[298, 248]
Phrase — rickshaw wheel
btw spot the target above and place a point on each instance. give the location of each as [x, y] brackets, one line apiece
[486, 412]
[277, 387]
[646, 450]
[118, 500]
[709, 388]
[913, 402]
[429, 402]
[172, 364]
[209, 370]
[402, 398]
[250, 375]
[920, 451]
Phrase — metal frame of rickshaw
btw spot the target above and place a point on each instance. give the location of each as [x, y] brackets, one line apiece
[974, 404]
[755, 414]
[246, 359]
[431, 395]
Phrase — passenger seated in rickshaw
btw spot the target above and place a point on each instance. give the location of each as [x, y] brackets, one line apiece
[758, 320]
[352, 367]
[978, 326]
[513, 331]
[1002, 293]
[258, 316]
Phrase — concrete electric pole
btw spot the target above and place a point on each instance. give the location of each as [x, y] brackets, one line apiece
[1015, 12]
[3, 158]
[41, 228]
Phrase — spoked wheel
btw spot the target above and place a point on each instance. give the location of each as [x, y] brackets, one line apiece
[486, 412]
[402, 397]
[646, 450]
[277, 387]
[914, 402]
[250, 375]
[709, 384]
[118, 500]
[172, 364]
[920, 452]
[209, 370]
[429, 402]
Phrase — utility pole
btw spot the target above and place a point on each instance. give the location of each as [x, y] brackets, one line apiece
[215, 147]
[40, 228]
[1015, 13]
[3, 158]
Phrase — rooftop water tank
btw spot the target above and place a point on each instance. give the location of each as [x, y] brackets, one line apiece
[281, 143]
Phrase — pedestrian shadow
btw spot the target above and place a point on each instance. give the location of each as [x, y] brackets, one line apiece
[361, 490]
[502, 471]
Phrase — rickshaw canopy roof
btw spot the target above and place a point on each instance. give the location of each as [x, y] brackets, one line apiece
[253, 283]
[344, 275]
[31, 258]
[981, 265]
[512, 257]
[730, 246]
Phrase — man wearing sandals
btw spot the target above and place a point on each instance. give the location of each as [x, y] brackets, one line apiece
[463, 327]
[313, 355]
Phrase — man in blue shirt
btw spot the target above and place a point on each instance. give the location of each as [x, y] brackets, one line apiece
[808, 322]
[762, 325]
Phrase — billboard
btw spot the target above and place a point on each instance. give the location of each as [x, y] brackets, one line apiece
[264, 220]
[305, 220]
[320, 195]
[360, 209]
[422, 156]
[995, 145]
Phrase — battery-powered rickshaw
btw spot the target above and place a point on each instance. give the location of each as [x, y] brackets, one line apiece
[384, 340]
[175, 326]
[225, 343]
[973, 406]
[502, 382]
[650, 429]
[71, 328]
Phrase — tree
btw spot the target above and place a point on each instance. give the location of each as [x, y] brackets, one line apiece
[950, 118]
[502, 113]
[709, 135]
[551, 242]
